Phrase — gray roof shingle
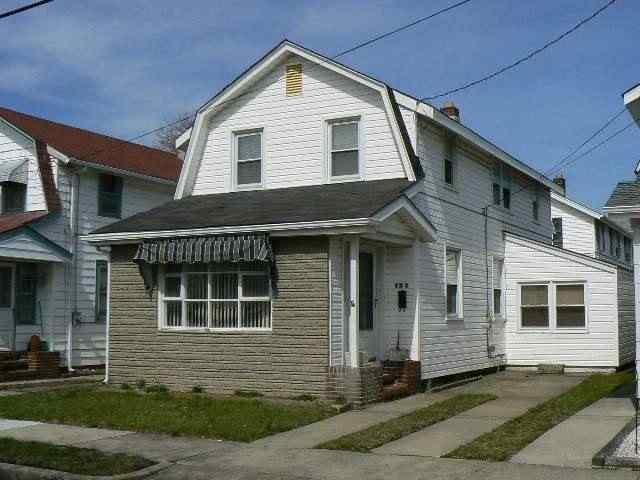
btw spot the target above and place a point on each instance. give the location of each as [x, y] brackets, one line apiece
[260, 207]
[625, 194]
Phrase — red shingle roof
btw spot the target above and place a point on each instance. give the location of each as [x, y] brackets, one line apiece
[11, 221]
[97, 148]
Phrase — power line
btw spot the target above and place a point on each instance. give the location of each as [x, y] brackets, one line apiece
[558, 165]
[400, 29]
[350, 50]
[527, 57]
[24, 8]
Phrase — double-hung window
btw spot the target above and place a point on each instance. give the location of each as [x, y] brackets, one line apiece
[248, 153]
[498, 265]
[453, 278]
[14, 197]
[449, 164]
[628, 249]
[344, 146]
[534, 306]
[501, 186]
[570, 309]
[110, 196]
[216, 297]
[557, 231]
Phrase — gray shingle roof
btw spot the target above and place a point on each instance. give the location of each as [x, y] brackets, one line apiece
[625, 194]
[259, 207]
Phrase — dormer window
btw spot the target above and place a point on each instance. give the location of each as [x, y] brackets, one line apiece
[344, 148]
[248, 153]
[14, 197]
[110, 196]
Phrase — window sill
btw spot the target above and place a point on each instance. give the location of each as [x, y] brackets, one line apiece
[261, 331]
[346, 178]
[451, 188]
[453, 319]
[249, 186]
[553, 331]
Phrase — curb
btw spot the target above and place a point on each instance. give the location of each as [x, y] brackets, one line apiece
[10, 471]
[604, 458]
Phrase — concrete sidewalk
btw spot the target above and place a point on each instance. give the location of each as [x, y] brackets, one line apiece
[574, 442]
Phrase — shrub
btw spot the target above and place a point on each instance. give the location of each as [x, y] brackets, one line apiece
[305, 397]
[125, 386]
[141, 383]
[157, 388]
[247, 393]
[197, 389]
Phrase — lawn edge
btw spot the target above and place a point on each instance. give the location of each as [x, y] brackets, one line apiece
[26, 472]
[328, 445]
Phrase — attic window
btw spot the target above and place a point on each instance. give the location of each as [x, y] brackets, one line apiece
[293, 80]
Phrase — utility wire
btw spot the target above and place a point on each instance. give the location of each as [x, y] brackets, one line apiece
[24, 8]
[526, 58]
[559, 164]
[344, 52]
[400, 29]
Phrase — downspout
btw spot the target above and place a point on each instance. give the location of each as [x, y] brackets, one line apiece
[75, 213]
[108, 322]
[491, 354]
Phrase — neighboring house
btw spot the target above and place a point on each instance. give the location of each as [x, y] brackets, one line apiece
[324, 219]
[56, 183]
[581, 229]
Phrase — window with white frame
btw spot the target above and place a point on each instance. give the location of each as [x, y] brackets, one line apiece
[248, 153]
[570, 307]
[199, 296]
[498, 265]
[344, 148]
[534, 306]
[453, 279]
[501, 186]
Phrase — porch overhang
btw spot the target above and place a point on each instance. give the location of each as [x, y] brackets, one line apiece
[27, 244]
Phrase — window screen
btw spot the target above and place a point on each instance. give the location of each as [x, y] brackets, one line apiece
[344, 149]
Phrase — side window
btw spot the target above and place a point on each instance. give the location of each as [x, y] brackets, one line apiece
[6, 287]
[248, 153]
[101, 291]
[628, 249]
[557, 231]
[449, 163]
[498, 265]
[534, 306]
[570, 310]
[501, 186]
[453, 279]
[110, 196]
[14, 197]
[344, 148]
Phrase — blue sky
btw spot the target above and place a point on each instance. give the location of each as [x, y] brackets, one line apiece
[126, 66]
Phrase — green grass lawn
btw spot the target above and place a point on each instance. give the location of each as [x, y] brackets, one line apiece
[512, 436]
[385, 432]
[225, 418]
[83, 461]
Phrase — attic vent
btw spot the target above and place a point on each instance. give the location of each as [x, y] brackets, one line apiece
[294, 79]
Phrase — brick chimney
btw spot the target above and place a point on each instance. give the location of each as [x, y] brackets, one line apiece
[450, 110]
[562, 182]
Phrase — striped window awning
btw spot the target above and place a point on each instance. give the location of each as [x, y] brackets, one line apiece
[213, 249]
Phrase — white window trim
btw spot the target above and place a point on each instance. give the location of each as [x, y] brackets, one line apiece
[501, 315]
[459, 316]
[162, 299]
[235, 134]
[552, 304]
[328, 123]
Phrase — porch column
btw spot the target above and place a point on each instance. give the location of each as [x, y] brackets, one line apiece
[354, 260]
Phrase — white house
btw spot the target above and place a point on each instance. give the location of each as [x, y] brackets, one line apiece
[58, 182]
[324, 222]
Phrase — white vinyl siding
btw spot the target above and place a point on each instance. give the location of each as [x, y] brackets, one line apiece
[595, 344]
[295, 132]
[578, 229]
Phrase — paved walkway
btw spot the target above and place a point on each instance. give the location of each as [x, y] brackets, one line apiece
[574, 442]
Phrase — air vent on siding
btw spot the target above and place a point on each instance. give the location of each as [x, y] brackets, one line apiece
[293, 79]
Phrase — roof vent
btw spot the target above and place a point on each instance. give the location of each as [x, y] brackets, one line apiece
[293, 79]
[451, 111]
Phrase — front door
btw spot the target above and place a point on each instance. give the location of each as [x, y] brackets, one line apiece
[367, 305]
[7, 281]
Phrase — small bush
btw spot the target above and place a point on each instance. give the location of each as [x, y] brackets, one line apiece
[247, 393]
[141, 383]
[157, 388]
[197, 389]
[304, 398]
[125, 386]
